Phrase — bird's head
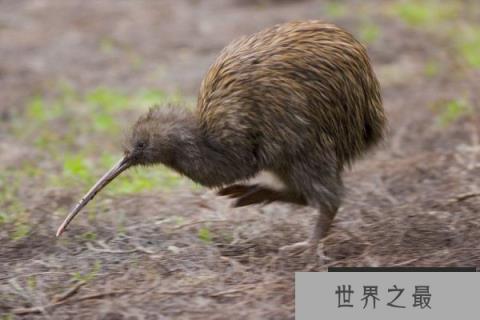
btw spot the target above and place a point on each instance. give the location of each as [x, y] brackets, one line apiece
[158, 135]
[155, 138]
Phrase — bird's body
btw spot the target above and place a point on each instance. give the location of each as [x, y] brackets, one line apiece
[299, 100]
[293, 87]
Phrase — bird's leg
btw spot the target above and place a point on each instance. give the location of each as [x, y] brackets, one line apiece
[255, 194]
[310, 247]
[320, 183]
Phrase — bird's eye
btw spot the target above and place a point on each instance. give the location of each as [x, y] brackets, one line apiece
[140, 145]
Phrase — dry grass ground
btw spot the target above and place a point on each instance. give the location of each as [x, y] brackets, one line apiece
[73, 75]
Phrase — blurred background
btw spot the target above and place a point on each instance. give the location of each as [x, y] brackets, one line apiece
[74, 75]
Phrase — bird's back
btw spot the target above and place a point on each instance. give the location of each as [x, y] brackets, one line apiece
[300, 84]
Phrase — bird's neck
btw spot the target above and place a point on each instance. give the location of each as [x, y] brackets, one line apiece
[198, 159]
[207, 160]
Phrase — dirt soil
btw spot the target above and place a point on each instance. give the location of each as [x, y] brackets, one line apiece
[183, 253]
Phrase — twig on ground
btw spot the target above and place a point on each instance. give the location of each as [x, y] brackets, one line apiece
[197, 222]
[429, 255]
[22, 311]
[70, 292]
[464, 196]
[91, 247]
[107, 249]
[141, 248]
[240, 289]
[42, 309]
[31, 274]
[19, 290]
[403, 263]
[149, 224]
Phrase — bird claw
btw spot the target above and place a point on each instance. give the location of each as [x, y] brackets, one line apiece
[296, 249]
[305, 250]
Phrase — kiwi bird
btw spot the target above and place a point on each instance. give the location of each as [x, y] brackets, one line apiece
[298, 100]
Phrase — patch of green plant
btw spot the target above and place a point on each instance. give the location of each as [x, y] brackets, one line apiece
[431, 68]
[40, 110]
[101, 103]
[195, 186]
[227, 237]
[369, 32]
[140, 179]
[20, 232]
[11, 206]
[45, 139]
[453, 110]
[150, 97]
[87, 117]
[89, 235]
[136, 60]
[133, 263]
[7, 316]
[90, 275]
[104, 122]
[29, 169]
[120, 223]
[78, 167]
[146, 179]
[132, 184]
[106, 46]
[92, 213]
[3, 218]
[36, 109]
[111, 99]
[205, 235]
[31, 283]
[178, 220]
[106, 98]
[469, 45]
[67, 92]
[336, 9]
[425, 13]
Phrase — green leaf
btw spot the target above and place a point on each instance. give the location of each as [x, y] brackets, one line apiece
[369, 32]
[335, 9]
[469, 45]
[107, 99]
[204, 235]
[452, 111]
[36, 109]
[21, 231]
[425, 12]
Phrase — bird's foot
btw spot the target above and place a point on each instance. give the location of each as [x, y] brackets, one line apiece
[296, 249]
[306, 251]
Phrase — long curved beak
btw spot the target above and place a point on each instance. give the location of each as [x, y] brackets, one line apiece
[118, 168]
